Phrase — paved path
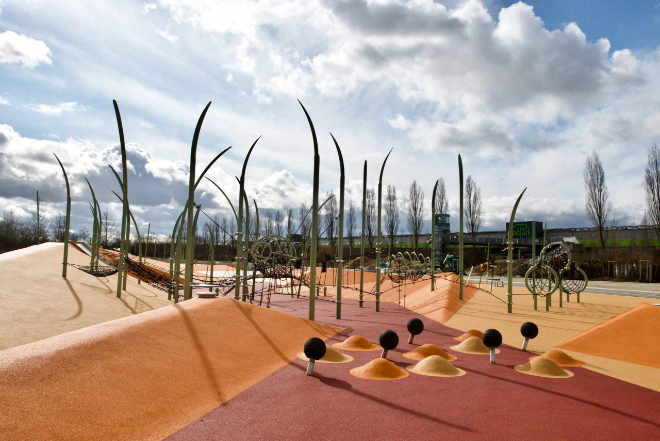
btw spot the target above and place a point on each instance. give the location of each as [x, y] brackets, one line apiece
[630, 289]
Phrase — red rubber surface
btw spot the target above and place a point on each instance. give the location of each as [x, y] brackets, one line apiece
[491, 402]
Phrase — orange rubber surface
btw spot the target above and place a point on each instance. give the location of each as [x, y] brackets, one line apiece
[145, 376]
[631, 336]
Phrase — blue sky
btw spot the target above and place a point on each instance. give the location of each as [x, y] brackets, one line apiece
[523, 91]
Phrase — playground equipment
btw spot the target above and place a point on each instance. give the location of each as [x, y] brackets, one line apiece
[492, 338]
[388, 340]
[528, 330]
[415, 327]
[314, 350]
[407, 266]
[552, 271]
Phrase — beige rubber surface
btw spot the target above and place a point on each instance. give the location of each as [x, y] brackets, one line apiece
[38, 303]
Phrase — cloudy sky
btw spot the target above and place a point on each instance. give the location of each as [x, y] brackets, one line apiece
[523, 91]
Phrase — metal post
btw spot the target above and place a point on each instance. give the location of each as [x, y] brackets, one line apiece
[509, 258]
[460, 229]
[315, 217]
[364, 205]
[340, 254]
[380, 239]
[239, 224]
[435, 189]
[533, 242]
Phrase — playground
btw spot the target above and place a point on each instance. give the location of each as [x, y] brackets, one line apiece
[78, 363]
[284, 343]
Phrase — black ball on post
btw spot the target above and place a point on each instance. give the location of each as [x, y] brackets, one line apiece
[388, 340]
[492, 339]
[415, 327]
[314, 350]
[528, 330]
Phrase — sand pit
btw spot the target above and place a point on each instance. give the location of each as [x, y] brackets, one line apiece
[331, 356]
[122, 379]
[436, 366]
[428, 350]
[357, 343]
[468, 334]
[379, 369]
[631, 336]
[561, 358]
[543, 367]
[472, 345]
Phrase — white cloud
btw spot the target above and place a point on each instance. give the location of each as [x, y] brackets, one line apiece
[149, 7]
[20, 49]
[400, 122]
[4, 101]
[167, 36]
[57, 109]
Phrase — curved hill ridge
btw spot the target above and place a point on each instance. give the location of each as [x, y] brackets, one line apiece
[631, 336]
[145, 376]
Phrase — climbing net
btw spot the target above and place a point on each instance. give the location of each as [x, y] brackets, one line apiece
[407, 267]
[96, 270]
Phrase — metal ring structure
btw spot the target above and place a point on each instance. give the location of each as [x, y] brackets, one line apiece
[273, 256]
[541, 280]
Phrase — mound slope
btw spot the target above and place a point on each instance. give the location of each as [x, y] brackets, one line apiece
[428, 350]
[543, 367]
[436, 366]
[561, 358]
[123, 379]
[631, 336]
[379, 369]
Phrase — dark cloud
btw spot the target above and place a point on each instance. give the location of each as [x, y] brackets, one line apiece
[391, 19]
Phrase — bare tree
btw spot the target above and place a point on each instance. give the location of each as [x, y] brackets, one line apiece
[305, 220]
[653, 189]
[224, 230]
[107, 220]
[267, 222]
[57, 227]
[441, 201]
[289, 222]
[415, 210]
[370, 220]
[472, 208]
[391, 214]
[596, 204]
[232, 230]
[330, 216]
[351, 224]
[216, 229]
[37, 224]
[277, 218]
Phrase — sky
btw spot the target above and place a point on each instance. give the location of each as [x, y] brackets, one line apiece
[523, 91]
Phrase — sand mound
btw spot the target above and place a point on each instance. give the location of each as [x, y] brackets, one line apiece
[561, 358]
[473, 345]
[630, 336]
[357, 343]
[468, 334]
[379, 369]
[543, 367]
[426, 351]
[436, 366]
[331, 356]
[87, 384]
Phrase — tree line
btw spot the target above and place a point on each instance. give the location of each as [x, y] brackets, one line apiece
[597, 204]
